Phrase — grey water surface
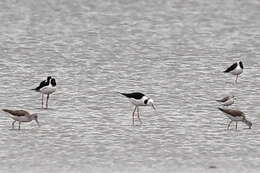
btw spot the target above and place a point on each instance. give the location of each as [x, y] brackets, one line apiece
[174, 51]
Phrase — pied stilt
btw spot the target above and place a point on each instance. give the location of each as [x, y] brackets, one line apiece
[235, 69]
[46, 87]
[139, 99]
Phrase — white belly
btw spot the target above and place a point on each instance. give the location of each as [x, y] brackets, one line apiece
[235, 118]
[137, 102]
[237, 71]
[20, 118]
[228, 102]
[48, 90]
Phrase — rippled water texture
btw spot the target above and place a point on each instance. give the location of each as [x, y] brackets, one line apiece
[172, 50]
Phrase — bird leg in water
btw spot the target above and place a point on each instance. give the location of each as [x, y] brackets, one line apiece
[42, 100]
[236, 125]
[19, 125]
[134, 116]
[138, 115]
[236, 78]
[13, 124]
[229, 124]
[48, 96]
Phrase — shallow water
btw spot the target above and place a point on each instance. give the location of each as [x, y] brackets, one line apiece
[174, 51]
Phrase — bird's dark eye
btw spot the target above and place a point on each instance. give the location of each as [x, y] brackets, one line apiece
[145, 101]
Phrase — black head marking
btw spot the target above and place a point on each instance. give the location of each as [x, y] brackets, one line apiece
[53, 82]
[48, 78]
[241, 64]
[146, 101]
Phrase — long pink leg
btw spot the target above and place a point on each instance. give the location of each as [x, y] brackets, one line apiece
[48, 96]
[134, 116]
[42, 100]
[138, 115]
[236, 78]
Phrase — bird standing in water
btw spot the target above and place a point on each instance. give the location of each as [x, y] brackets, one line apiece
[21, 116]
[227, 101]
[139, 99]
[235, 69]
[236, 115]
[46, 87]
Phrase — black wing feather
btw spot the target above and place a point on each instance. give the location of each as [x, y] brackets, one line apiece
[42, 84]
[135, 95]
[232, 67]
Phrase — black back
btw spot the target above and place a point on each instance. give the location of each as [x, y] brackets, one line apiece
[43, 83]
[135, 95]
[232, 67]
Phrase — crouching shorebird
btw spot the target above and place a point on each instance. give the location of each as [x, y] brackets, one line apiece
[138, 99]
[21, 116]
[227, 101]
[235, 69]
[46, 87]
[236, 115]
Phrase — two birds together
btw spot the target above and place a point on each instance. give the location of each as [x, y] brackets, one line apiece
[46, 87]
[234, 115]
[138, 99]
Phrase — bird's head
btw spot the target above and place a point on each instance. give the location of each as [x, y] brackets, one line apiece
[248, 123]
[35, 117]
[48, 78]
[150, 102]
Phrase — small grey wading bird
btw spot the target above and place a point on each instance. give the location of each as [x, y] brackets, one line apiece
[236, 115]
[235, 69]
[138, 99]
[21, 116]
[46, 87]
[227, 101]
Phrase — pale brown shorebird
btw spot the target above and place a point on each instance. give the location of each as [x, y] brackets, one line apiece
[227, 101]
[236, 115]
[21, 116]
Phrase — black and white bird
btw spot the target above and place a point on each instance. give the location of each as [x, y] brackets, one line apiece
[21, 116]
[236, 115]
[139, 99]
[235, 69]
[227, 101]
[46, 87]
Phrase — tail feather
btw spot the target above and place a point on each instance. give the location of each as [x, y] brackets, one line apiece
[7, 110]
[35, 89]
[124, 94]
